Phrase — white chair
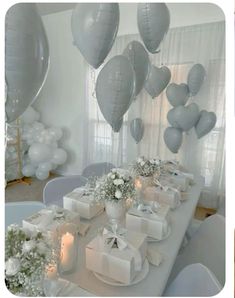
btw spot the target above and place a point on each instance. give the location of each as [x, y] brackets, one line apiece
[97, 169]
[17, 211]
[195, 280]
[55, 189]
[207, 246]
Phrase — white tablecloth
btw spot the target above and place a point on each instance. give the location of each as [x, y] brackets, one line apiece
[154, 283]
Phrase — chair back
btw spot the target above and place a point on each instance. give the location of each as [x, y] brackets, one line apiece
[207, 246]
[97, 169]
[55, 189]
[17, 211]
[195, 280]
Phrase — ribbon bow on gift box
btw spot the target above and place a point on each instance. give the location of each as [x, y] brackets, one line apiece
[116, 239]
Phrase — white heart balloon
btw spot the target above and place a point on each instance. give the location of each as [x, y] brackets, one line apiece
[153, 23]
[172, 118]
[115, 87]
[139, 59]
[196, 77]
[186, 117]
[177, 95]
[173, 138]
[94, 28]
[205, 123]
[157, 80]
[137, 129]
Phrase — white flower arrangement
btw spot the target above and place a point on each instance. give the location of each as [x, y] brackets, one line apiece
[115, 186]
[146, 167]
[26, 256]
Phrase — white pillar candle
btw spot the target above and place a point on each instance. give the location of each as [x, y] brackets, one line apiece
[138, 186]
[68, 254]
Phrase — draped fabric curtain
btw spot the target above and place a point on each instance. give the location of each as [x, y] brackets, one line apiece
[182, 47]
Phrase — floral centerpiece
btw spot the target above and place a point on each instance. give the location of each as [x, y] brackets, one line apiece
[26, 257]
[146, 167]
[114, 189]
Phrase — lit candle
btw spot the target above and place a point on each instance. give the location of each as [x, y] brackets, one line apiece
[138, 186]
[67, 256]
[51, 271]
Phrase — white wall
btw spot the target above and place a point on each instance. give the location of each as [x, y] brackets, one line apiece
[60, 101]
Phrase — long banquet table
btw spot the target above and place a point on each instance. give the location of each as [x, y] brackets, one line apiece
[155, 282]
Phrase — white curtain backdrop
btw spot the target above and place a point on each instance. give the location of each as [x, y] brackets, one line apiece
[182, 47]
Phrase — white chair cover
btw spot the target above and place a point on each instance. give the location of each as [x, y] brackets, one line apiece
[194, 280]
[207, 246]
[97, 169]
[56, 188]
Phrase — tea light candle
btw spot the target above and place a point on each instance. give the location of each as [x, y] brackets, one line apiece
[51, 271]
[67, 257]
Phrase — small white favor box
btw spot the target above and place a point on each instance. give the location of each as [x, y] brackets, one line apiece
[154, 225]
[171, 197]
[120, 265]
[83, 203]
[179, 180]
[50, 220]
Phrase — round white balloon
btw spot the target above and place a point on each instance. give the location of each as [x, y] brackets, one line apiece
[39, 152]
[55, 132]
[28, 170]
[45, 167]
[59, 156]
[41, 175]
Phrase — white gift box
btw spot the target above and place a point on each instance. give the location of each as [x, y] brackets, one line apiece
[178, 179]
[82, 201]
[50, 220]
[121, 265]
[169, 196]
[154, 224]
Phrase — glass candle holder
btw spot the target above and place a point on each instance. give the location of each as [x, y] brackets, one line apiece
[68, 248]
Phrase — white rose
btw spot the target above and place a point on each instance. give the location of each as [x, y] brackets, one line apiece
[152, 161]
[118, 181]
[113, 176]
[142, 163]
[28, 245]
[42, 248]
[118, 194]
[12, 266]
[139, 159]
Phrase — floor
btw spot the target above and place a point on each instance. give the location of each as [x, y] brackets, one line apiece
[33, 191]
[30, 190]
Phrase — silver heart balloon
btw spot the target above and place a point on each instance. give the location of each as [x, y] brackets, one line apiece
[26, 58]
[153, 23]
[196, 77]
[115, 88]
[139, 59]
[185, 117]
[117, 125]
[177, 95]
[205, 123]
[137, 129]
[157, 80]
[171, 117]
[173, 138]
[94, 28]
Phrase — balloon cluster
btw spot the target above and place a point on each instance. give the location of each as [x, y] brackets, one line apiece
[124, 76]
[182, 118]
[43, 154]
